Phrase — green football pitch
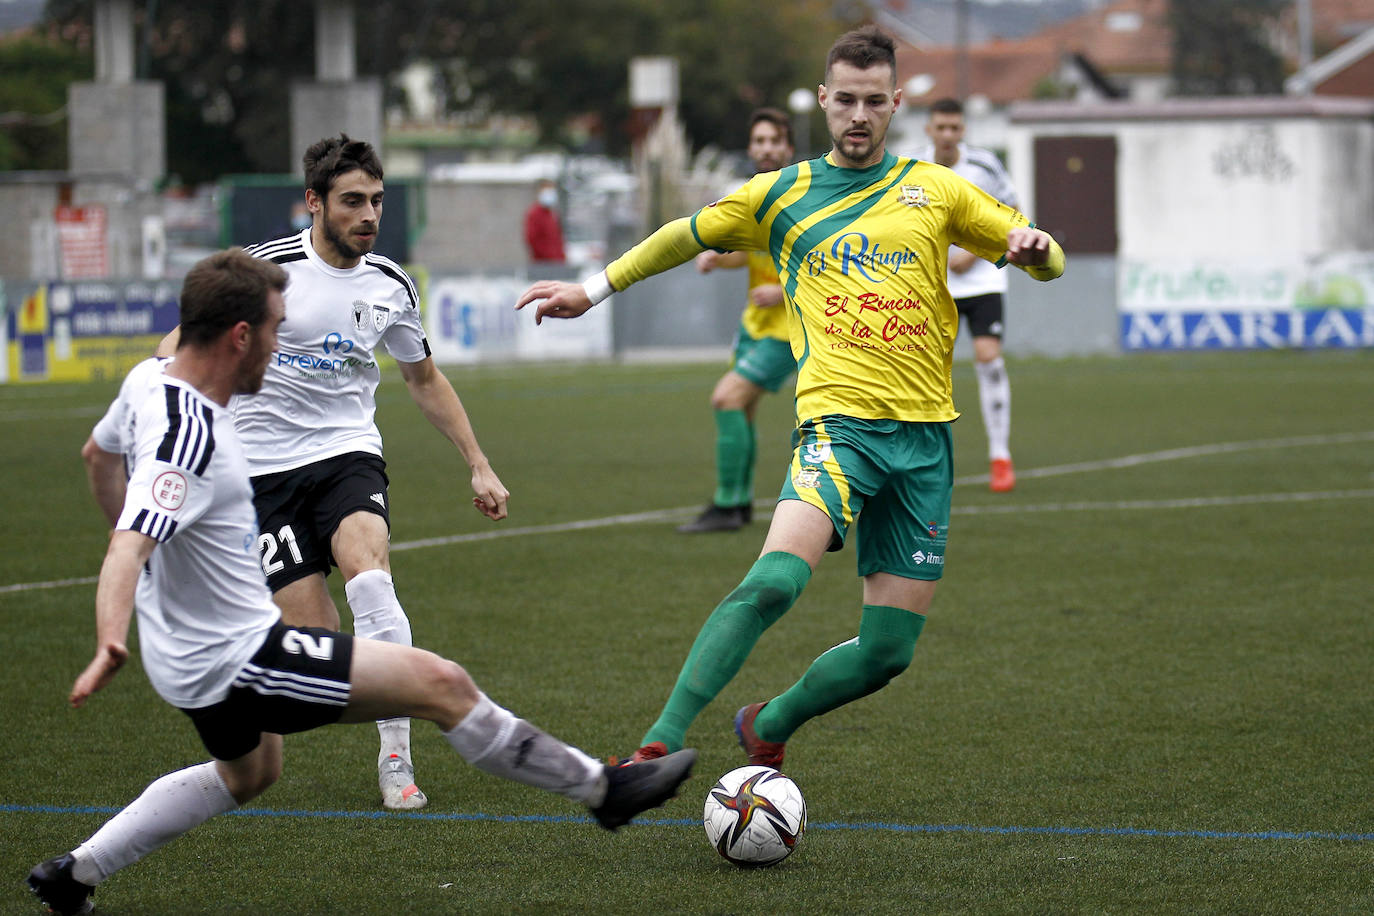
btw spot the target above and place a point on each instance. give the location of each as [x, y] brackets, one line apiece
[1146, 684]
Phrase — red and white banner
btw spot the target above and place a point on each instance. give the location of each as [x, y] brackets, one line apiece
[81, 241]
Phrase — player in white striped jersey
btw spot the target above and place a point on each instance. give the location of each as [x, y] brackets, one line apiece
[977, 286]
[183, 553]
[319, 481]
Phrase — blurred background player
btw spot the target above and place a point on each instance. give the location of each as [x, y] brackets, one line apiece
[872, 449]
[763, 354]
[212, 641]
[313, 447]
[978, 287]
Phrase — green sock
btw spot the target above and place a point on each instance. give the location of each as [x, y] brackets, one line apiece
[734, 457]
[768, 590]
[747, 488]
[882, 650]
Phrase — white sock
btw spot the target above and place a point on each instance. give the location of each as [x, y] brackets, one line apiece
[169, 807]
[994, 395]
[377, 614]
[496, 741]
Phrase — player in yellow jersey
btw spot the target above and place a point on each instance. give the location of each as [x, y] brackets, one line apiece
[860, 238]
[763, 355]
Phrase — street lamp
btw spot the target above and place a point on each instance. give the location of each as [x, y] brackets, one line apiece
[800, 103]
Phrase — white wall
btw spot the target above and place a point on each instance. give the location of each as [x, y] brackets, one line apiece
[1224, 178]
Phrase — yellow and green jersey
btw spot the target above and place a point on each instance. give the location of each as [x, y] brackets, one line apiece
[764, 321]
[861, 256]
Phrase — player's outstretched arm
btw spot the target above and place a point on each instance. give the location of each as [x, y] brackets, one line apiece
[1036, 252]
[557, 299]
[672, 244]
[114, 609]
[433, 393]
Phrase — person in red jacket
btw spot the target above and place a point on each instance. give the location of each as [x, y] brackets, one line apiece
[543, 235]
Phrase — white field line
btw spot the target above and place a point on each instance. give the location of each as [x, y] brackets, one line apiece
[666, 515]
[1176, 454]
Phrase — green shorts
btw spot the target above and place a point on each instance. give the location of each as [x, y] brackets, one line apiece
[765, 361]
[895, 478]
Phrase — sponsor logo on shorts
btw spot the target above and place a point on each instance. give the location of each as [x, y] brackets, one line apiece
[379, 499]
[807, 478]
[921, 558]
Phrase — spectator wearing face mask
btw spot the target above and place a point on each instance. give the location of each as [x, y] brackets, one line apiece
[543, 235]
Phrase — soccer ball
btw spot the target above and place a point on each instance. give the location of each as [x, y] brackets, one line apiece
[755, 816]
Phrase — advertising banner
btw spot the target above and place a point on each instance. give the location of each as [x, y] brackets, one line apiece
[71, 332]
[1322, 302]
[473, 319]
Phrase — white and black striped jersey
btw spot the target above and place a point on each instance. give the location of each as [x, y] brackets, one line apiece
[983, 168]
[317, 399]
[203, 604]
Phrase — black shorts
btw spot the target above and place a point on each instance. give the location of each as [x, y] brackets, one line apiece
[299, 510]
[297, 680]
[984, 314]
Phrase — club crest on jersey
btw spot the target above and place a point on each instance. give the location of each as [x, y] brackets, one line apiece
[913, 195]
[363, 312]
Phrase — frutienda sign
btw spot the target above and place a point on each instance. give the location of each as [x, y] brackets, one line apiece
[1322, 302]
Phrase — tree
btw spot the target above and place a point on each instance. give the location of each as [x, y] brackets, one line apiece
[34, 73]
[1223, 48]
[228, 64]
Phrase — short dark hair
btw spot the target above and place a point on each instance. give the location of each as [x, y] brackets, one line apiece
[947, 106]
[331, 157]
[220, 291]
[863, 48]
[777, 118]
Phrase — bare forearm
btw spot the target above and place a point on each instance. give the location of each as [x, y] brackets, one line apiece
[114, 594]
[444, 410]
[105, 473]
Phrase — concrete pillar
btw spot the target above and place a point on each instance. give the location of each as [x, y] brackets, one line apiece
[335, 41]
[114, 41]
[117, 129]
[336, 101]
[116, 124]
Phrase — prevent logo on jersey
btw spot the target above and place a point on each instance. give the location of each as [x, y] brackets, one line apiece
[334, 342]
